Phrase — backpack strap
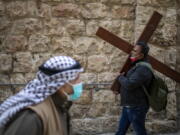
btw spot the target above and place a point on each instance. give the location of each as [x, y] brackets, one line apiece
[146, 64]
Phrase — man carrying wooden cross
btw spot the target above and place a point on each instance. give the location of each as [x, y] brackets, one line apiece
[137, 75]
[133, 98]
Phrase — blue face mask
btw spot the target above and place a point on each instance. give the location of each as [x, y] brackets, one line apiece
[77, 92]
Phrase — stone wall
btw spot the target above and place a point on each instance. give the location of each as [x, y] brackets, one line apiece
[178, 63]
[31, 31]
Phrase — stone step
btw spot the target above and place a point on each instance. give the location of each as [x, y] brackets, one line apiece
[171, 134]
[133, 134]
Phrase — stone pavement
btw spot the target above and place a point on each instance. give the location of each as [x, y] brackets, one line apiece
[171, 134]
[149, 134]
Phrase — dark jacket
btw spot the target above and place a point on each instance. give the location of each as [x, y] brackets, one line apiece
[27, 122]
[132, 93]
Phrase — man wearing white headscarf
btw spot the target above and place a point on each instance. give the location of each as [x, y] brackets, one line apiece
[41, 108]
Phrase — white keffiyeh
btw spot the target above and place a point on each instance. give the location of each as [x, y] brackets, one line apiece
[40, 88]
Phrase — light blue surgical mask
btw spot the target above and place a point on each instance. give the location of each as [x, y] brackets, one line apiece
[77, 92]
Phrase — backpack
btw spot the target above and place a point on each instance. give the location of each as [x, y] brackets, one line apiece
[157, 92]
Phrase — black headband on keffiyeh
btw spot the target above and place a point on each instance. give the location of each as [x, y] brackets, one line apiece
[52, 75]
[51, 71]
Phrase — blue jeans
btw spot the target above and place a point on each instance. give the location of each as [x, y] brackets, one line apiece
[135, 116]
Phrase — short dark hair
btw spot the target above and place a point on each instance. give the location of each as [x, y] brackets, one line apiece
[145, 48]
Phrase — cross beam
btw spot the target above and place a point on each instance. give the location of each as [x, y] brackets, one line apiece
[145, 35]
[127, 47]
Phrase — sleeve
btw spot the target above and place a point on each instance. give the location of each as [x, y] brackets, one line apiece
[26, 123]
[136, 79]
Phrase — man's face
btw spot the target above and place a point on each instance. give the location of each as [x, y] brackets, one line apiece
[67, 87]
[136, 52]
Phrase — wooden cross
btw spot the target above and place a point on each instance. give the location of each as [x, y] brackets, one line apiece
[127, 47]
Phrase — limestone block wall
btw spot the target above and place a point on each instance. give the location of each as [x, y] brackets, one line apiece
[31, 31]
[178, 63]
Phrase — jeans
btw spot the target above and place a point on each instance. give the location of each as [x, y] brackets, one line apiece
[135, 116]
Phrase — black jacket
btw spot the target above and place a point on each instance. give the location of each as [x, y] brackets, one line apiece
[132, 93]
